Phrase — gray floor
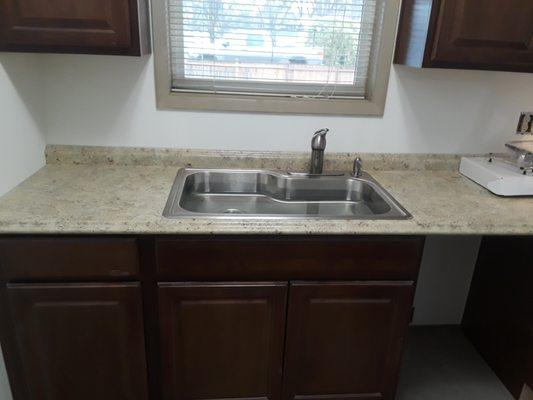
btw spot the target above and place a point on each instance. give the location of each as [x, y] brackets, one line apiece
[440, 364]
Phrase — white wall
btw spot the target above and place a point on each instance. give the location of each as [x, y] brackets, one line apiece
[21, 141]
[5, 392]
[102, 100]
[444, 282]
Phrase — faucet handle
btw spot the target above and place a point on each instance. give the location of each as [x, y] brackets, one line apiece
[357, 170]
[525, 124]
[319, 139]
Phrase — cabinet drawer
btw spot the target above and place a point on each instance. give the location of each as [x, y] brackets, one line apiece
[287, 258]
[68, 258]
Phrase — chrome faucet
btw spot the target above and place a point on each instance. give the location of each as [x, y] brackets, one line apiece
[318, 145]
[357, 170]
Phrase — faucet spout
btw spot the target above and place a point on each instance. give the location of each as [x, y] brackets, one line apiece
[319, 139]
[318, 145]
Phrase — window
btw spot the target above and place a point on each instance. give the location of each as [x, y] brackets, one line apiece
[299, 56]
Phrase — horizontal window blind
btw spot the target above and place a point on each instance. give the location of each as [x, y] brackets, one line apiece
[314, 48]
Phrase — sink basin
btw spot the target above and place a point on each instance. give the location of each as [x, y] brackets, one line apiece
[223, 193]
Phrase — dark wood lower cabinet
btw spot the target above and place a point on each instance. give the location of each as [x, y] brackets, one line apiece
[79, 341]
[255, 318]
[222, 340]
[344, 340]
[211, 318]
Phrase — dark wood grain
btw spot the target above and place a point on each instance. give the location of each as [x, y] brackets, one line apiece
[9, 342]
[75, 26]
[287, 258]
[63, 258]
[211, 337]
[470, 34]
[222, 340]
[344, 340]
[413, 31]
[498, 318]
[151, 315]
[80, 341]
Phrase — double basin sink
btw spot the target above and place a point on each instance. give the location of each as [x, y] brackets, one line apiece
[223, 193]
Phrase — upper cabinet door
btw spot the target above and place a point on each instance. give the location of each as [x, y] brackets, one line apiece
[79, 341]
[74, 26]
[487, 33]
[473, 34]
[344, 340]
[222, 341]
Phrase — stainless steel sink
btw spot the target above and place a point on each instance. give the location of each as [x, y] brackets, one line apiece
[222, 193]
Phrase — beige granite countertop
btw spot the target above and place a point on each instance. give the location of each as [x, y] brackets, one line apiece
[114, 196]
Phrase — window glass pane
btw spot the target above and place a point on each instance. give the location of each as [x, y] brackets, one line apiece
[315, 47]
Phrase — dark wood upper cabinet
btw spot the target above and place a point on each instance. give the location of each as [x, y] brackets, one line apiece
[471, 34]
[344, 340]
[78, 341]
[222, 341]
[75, 26]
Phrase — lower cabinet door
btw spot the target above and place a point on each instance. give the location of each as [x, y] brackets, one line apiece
[80, 341]
[222, 340]
[344, 340]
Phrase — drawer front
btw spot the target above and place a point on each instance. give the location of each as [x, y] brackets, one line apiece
[287, 258]
[68, 258]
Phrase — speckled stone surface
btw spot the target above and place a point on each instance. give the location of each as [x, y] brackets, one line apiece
[281, 161]
[126, 196]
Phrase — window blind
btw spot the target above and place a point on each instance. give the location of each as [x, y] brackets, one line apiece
[314, 48]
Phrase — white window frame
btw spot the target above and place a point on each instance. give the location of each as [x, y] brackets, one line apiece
[372, 105]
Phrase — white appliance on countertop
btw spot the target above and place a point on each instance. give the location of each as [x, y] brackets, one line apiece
[506, 176]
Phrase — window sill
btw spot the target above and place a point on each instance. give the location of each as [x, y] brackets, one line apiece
[268, 104]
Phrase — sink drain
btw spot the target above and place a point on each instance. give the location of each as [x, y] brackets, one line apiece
[233, 211]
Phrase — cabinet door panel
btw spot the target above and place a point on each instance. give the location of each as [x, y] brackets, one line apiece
[344, 340]
[80, 341]
[485, 33]
[79, 26]
[222, 340]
